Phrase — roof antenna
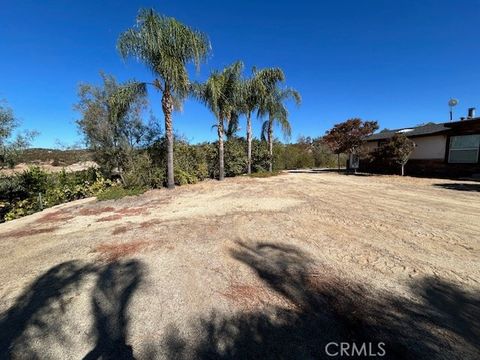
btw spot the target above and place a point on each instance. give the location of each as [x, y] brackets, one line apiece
[452, 102]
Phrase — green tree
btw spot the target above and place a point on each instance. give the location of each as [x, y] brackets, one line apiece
[254, 91]
[11, 146]
[112, 125]
[221, 93]
[273, 106]
[165, 46]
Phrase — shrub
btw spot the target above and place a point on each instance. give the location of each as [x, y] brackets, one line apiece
[140, 172]
[34, 180]
[292, 156]
[190, 161]
[34, 189]
[23, 208]
[260, 155]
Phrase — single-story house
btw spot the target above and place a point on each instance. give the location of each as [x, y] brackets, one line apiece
[449, 149]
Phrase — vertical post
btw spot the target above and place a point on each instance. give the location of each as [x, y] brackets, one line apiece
[40, 202]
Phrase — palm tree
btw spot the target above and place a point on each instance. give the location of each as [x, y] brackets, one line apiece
[221, 93]
[254, 91]
[275, 108]
[165, 46]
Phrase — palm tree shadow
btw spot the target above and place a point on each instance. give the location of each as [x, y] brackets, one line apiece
[35, 308]
[325, 309]
[38, 318]
[114, 289]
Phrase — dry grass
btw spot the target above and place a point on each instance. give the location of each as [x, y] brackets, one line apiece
[95, 211]
[110, 218]
[113, 252]
[136, 211]
[252, 297]
[29, 232]
[56, 216]
[149, 224]
[120, 230]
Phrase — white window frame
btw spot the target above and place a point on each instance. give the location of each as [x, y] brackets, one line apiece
[450, 149]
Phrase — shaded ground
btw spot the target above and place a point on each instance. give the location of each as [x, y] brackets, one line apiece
[273, 268]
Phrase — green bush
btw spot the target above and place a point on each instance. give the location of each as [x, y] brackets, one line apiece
[260, 155]
[141, 173]
[190, 161]
[23, 208]
[34, 189]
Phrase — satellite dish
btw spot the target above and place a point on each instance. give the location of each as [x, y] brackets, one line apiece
[452, 102]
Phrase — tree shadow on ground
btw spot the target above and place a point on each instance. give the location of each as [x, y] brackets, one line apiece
[39, 317]
[460, 186]
[113, 291]
[441, 323]
[31, 314]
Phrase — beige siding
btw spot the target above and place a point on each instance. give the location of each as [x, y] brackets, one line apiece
[429, 147]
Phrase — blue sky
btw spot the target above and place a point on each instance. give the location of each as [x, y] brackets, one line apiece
[397, 62]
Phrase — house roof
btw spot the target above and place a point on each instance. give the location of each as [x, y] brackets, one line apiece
[423, 130]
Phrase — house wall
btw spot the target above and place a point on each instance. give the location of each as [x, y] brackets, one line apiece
[371, 145]
[429, 157]
[429, 147]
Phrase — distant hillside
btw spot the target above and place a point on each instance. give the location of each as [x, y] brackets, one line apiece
[54, 156]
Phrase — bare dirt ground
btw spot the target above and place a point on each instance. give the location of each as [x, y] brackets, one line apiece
[48, 167]
[272, 268]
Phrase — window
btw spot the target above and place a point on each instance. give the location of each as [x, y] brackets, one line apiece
[464, 149]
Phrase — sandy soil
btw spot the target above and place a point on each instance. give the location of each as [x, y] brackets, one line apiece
[79, 166]
[248, 269]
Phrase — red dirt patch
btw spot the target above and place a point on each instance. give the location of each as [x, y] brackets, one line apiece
[112, 252]
[110, 218]
[120, 230]
[132, 211]
[30, 232]
[56, 216]
[251, 297]
[95, 211]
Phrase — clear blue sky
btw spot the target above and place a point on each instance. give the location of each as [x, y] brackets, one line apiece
[397, 62]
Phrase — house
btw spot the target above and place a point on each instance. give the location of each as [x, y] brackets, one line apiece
[448, 149]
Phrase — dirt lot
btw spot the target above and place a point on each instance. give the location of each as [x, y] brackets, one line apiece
[272, 268]
[48, 167]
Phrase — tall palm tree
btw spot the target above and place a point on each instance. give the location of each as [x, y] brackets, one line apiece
[165, 46]
[221, 93]
[254, 91]
[274, 106]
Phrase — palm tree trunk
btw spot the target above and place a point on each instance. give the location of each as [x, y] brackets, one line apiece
[167, 106]
[221, 174]
[403, 169]
[249, 144]
[338, 161]
[270, 144]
